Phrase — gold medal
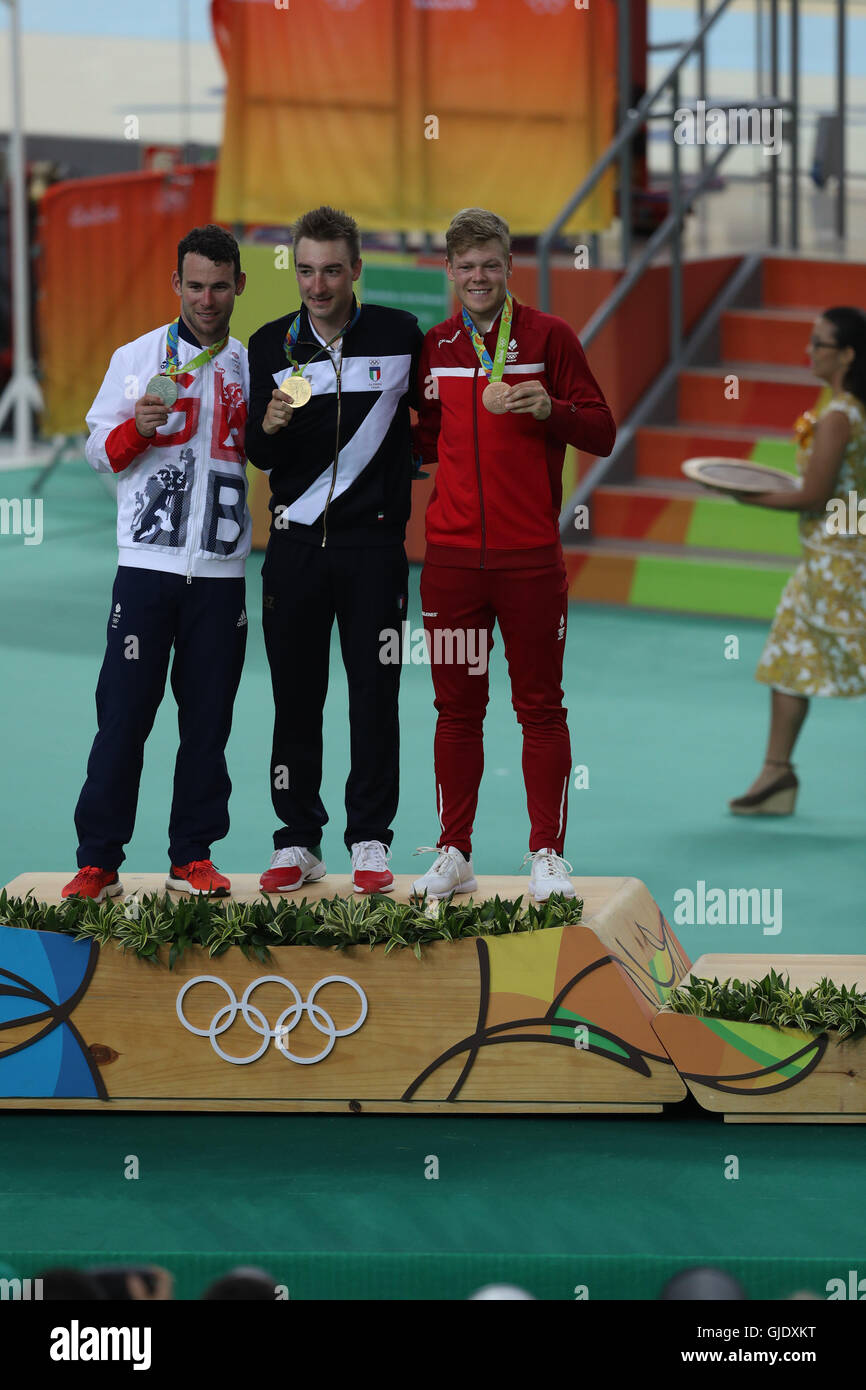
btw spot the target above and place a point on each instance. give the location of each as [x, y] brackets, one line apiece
[164, 387]
[493, 398]
[298, 390]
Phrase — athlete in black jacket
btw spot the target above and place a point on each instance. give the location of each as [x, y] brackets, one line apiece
[341, 474]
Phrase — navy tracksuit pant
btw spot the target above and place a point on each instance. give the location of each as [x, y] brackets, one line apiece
[204, 620]
[304, 588]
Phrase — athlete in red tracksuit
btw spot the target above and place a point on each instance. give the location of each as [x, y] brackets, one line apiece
[493, 547]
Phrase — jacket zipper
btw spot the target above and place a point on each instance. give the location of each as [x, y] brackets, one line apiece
[200, 469]
[339, 374]
[478, 467]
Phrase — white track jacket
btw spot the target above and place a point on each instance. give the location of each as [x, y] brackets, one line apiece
[182, 495]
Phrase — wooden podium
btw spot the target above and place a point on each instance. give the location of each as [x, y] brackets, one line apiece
[753, 1073]
[563, 1019]
[554, 1020]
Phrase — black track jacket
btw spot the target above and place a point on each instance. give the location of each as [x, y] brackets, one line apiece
[351, 488]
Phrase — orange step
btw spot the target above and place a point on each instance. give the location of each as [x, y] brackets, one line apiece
[661, 449]
[765, 396]
[767, 335]
[657, 541]
[794, 283]
[635, 513]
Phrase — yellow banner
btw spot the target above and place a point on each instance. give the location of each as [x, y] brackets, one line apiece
[402, 112]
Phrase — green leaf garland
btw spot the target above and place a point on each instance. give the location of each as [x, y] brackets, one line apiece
[824, 1007]
[158, 928]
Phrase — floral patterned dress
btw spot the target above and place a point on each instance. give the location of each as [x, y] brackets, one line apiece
[817, 643]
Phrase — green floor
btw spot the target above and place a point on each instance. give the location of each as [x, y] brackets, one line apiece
[668, 730]
[339, 1206]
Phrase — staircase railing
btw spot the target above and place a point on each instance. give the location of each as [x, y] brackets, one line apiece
[670, 230]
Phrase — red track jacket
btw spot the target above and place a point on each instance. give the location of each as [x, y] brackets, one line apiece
[498, 491]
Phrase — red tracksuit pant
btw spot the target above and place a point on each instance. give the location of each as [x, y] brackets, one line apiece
[460, 607]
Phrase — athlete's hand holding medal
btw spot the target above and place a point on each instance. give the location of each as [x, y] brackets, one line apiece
[278, 413]
[152, 409]
[295, 390]
[530, 397]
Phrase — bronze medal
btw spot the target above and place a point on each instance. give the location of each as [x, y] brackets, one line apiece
[493, 398]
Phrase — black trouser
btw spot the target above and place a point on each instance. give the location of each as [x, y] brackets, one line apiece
[150, 612]
[304, 588]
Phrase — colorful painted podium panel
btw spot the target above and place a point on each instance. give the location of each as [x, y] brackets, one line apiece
[751, 1072]
[559, 1019]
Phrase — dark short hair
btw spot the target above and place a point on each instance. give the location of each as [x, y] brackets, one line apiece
[849, 326]
[329, 224]
[242, 1286]
[213, 242]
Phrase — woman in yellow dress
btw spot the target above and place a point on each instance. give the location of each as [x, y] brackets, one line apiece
[817, 643]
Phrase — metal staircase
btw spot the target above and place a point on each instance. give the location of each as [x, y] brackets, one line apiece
[663, 542]
[655, 539]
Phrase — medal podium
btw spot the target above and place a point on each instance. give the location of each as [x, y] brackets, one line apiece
[553, 1020]
[568, 1019]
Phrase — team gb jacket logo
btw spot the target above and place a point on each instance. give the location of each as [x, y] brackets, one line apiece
[230, 419]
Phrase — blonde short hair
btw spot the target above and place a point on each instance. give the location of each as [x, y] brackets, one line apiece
[474, 226]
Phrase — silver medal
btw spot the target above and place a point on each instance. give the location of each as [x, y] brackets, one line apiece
[164, 387]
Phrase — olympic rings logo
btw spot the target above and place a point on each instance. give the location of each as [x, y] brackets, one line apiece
[287, 1021]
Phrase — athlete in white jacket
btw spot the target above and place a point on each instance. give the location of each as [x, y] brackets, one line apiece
[170, 419]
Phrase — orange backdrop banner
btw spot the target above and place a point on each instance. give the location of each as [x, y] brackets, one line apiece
[404, 111]
[108, 247]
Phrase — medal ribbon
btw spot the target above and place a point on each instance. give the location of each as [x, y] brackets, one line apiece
[495, 368]
[292, 338]
[173, 367]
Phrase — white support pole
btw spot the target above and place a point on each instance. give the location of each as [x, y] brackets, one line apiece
[22, 392]
[185, 84]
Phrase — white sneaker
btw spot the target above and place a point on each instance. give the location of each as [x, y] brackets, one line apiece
[451, 873]
[370, 872]
[290, 868]
[549, 875]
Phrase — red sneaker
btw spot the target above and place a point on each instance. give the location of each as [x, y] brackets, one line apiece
[199, 876]
[93, 883]
[370, 872]
[290, 868]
